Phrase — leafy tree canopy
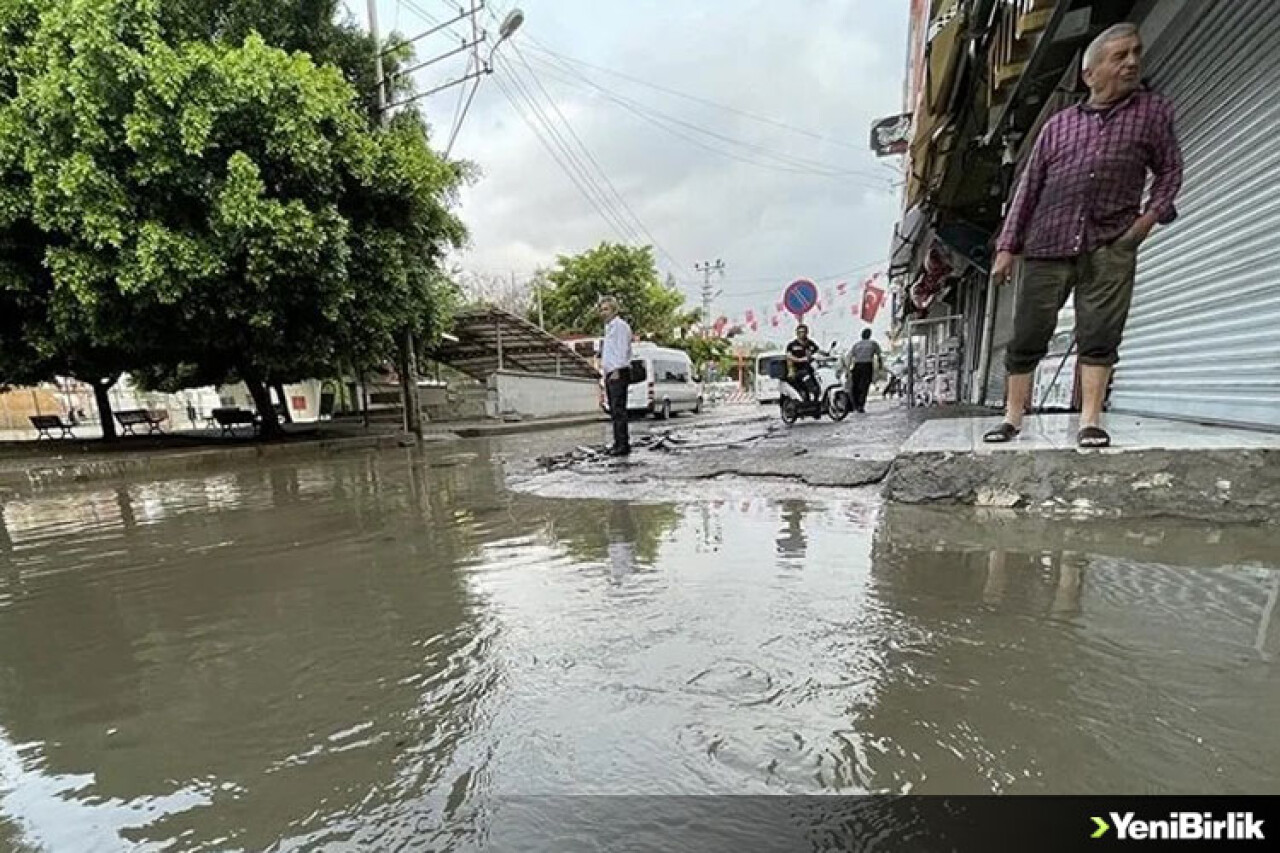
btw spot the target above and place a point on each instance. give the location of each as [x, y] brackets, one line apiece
[572, 290]
[210, 207]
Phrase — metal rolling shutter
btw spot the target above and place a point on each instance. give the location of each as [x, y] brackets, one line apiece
[1203, 339]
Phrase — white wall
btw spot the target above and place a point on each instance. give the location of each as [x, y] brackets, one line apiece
[306, 392]
[538, 396]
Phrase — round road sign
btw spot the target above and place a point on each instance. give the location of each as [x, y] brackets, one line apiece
[800, 297]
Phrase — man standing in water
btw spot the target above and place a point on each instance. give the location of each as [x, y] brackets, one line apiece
[1077, 220]
[615, 363]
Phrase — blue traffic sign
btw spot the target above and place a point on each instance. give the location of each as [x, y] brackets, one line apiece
[800, 297]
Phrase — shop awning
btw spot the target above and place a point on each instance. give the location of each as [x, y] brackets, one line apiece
[487, 340]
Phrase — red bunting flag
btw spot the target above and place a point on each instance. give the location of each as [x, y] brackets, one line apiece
[842, 288]
[751, 316]
[773, 321]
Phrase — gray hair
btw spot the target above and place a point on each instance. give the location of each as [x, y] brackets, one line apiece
[611, 301]
[1122, 30]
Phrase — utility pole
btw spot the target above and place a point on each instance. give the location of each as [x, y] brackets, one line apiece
[408, 358]
[707, 268]
[537, 295]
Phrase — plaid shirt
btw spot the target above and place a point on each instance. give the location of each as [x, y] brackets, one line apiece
[1082, 187]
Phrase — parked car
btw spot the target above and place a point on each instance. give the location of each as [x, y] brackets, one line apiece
[662, 383]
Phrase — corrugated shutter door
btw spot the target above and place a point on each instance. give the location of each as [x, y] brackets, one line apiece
[1203, 339]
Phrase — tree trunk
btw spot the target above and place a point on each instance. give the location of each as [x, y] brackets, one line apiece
[284, 401]
[105, 415]
[267, 412]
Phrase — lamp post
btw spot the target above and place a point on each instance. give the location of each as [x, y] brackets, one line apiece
[512, 22]
[408, 357]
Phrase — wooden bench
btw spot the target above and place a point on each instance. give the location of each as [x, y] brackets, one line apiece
[231, 418]
[149, 418]
[44, 423]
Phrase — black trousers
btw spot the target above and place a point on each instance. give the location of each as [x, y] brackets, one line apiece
[802, 381]
[860, 384]
[616, 391]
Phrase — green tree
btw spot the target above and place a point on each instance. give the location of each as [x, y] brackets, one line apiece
[706, 350]
[217, 209]
[323, 29]
[572, 289]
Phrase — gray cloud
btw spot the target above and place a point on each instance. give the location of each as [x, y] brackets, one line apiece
[831, 67]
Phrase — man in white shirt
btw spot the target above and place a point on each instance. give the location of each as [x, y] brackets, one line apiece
[615, 363]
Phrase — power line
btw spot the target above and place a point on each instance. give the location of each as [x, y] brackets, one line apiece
[787, 161]
[782, 162]
[555, 155]
[554, 142]
[575, 160]
[706, 101]
[609, 183]
[650, 111]
[816, 279]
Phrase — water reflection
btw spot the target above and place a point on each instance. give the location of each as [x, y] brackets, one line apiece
[369, 652]
[1121, 657]
[791, 537]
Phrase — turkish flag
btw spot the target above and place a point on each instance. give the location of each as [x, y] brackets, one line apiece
[872, 297]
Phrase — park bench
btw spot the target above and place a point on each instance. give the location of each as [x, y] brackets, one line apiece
[44, 423]
[229, 419]
[151, 419]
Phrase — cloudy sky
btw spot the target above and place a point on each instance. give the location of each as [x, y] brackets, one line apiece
[756, 154]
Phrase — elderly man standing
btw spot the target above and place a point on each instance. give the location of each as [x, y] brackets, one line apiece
[1077, 219]
[615, 363]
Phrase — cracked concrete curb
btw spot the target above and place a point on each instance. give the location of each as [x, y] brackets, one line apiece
[809, 469]
[1218, 485]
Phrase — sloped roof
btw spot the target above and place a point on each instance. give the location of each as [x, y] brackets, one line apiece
[489, 339]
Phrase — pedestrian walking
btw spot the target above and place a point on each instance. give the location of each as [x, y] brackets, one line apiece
[1077, 220]
[860, 365]
[615, 363]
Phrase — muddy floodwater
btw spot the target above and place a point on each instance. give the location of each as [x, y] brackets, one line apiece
[373, 652]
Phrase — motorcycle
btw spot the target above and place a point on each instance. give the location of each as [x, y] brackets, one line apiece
[827, 395]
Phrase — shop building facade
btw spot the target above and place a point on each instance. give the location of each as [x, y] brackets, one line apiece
[1201, 341]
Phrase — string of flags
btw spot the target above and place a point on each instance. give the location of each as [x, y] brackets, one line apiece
[838, 299]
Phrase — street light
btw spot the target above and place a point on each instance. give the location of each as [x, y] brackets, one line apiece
[512, 22]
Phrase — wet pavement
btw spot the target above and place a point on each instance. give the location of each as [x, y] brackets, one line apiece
[377, 651]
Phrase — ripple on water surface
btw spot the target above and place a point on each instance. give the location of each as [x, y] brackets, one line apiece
[381, 651]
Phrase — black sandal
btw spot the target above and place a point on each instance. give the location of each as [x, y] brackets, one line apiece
[1005, 432]
[1092, 436]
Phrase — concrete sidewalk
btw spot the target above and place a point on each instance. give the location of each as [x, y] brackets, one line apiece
[1155, 467]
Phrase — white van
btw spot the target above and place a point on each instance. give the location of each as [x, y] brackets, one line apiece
[662, 382]
[769, 367]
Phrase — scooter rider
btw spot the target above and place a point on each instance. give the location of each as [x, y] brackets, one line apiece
[800, 354]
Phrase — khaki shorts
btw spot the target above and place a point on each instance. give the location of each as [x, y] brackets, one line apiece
[1103, 284]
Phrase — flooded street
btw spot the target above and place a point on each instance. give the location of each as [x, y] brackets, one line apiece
[374, 651]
